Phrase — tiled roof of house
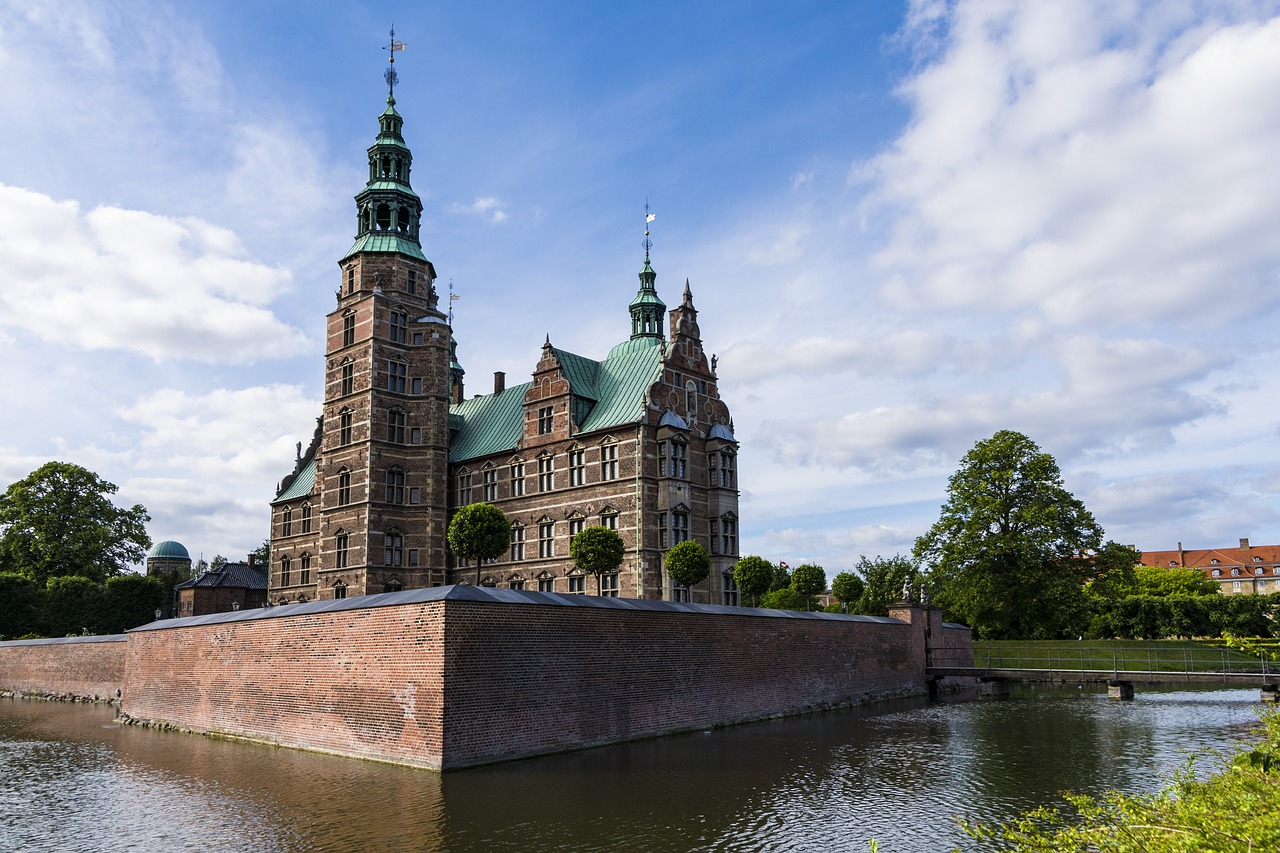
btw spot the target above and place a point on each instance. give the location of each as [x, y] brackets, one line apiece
[493, 423]
[1226, 558]
[229, 576]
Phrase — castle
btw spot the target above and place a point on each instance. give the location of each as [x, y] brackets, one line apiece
[638, 441]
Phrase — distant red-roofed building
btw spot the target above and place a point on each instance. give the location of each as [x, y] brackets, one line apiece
[1245, 570]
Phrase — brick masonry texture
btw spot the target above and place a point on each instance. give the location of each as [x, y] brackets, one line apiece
[458, 676]
[89, 668]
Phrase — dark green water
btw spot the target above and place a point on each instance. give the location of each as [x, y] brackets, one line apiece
[70, 779]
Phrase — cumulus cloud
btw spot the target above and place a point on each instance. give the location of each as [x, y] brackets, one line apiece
[905, 352]
[134, 281]
[488, 208]
[1095, 163]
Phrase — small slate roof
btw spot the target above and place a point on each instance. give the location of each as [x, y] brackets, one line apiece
[493, 423]
[229, 576]
[301, 485]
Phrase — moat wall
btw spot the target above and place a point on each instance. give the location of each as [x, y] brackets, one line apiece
[86, 668]
[458, 676]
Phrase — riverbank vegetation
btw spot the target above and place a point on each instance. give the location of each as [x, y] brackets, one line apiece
[1126, 655]
[1231, 811]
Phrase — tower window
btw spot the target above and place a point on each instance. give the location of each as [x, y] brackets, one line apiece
[397, 371]
[306, 518]
[395, 487]
[348, 378]
[395, 427]
[284, 571]
[344, 429]
[393, 550]
[545, 420]
[344, 487]
[411, 286]
[286, 522]
[351, 279]
[349, 329]
[341, 544]
[399, 327]
[304, 570]
[339, 590]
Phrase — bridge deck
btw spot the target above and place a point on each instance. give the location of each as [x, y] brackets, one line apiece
[1234, 676]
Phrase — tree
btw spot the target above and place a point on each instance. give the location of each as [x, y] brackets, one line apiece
[597, 551]
[1173, 580]
[781, 577]
[21, 601]
[1114, 571]
[131, 600]
[73, 606]
[479, 532]
[885, 577]
[809, 580]
[847, 588]
[688, 563]
[1005, 555]
[59, 521]
[262, 554]
[753, 577]
[787, 598]
[217, 562]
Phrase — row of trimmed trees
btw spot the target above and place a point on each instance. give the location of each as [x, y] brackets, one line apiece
[72, 605]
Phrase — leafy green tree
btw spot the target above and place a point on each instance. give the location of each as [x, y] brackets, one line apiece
[781, 577]
[787, 598]
[73, 606]
[809, 580]
[1113, 574]
[885, 577]
[479, 532]
[262, 554]
[59, 521]
[21, 602]
[753, 576]
[688, 563]
[1005, 555]
[597, 551]
[847, 588]
[1173, 580]
[217, 562]
[129, 601]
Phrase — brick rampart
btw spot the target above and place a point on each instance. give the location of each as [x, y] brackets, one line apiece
[90, 668]
[457, 676]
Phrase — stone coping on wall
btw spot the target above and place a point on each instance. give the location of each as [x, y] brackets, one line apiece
[464, 592]
[60, 641]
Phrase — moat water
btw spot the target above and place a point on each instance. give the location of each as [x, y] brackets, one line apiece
[72, 780]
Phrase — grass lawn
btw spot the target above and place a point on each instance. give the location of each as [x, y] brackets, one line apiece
[1131, 655]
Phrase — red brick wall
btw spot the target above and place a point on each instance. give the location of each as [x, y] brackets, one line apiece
[449, 682]
[71, 667]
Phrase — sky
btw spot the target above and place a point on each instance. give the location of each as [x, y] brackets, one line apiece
[905, 227]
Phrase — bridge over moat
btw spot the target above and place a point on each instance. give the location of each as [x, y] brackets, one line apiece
[1120, 668]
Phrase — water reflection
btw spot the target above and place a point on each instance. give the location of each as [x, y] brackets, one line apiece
[72, 780]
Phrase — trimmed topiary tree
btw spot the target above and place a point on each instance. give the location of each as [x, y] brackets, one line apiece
[479, 532]
[809, 580]
[597, 551]
[753, 575]
[688, 563]
[847, 588]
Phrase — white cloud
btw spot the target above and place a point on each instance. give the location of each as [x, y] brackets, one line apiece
[488, 208]
[134, 281]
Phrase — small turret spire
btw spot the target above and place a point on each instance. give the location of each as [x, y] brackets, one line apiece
[647, 308]
[390, 74]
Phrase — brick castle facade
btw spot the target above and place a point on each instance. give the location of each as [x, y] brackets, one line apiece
[639, 441]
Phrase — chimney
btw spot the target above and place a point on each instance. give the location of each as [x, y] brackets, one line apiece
[457, 393]
[499, 381]
[252, 558]
[1244, 544]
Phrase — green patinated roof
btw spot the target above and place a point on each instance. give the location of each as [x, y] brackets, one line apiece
[383, 242]
[398, 186]
[301, 485]
[168, 549]
[493, 423]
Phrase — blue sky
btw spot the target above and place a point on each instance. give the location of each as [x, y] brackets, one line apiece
[905, 227]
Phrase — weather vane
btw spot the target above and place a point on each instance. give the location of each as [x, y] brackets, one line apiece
[453, 297]
[648, 217]
[391, 77]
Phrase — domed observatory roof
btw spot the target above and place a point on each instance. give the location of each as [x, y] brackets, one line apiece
[168, 550]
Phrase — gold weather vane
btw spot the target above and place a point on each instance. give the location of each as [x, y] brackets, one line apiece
[391, 77]
[453, 297]
[648, 217]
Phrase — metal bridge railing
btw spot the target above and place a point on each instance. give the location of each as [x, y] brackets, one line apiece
[1091, 659]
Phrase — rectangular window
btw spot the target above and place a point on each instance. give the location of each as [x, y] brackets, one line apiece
[413, 556]
[304, 569]
[392, 549]
[348, 330]
[679, 593]
[284, 571]
[546, 584]
[340, 543]
[411, 285]
[344, 429]
[713, 469]
[575, 526]
[546, 540]
[545, 420]
[663, 533]
[726, 470]
[662, 459]
[490, 485]
[417, 381]
[344, 488]
[713, 531]
[517, 543]
[306, 518]
[516, 584]
[729, 539]
[395, 427]
[399, 327]
[577, 584]
[395, 487]
[397, 371]
[577, 467]
[351, 279]
[415, 435]
[679, 455]
[286, 522]
[679, 527]
[415, 496]
[517, 479]
[728, 590]
[609, 520]
[609, 585]
[609, 462]
[340, 591]
[546, 473]
[348, 378]
[464, 489]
